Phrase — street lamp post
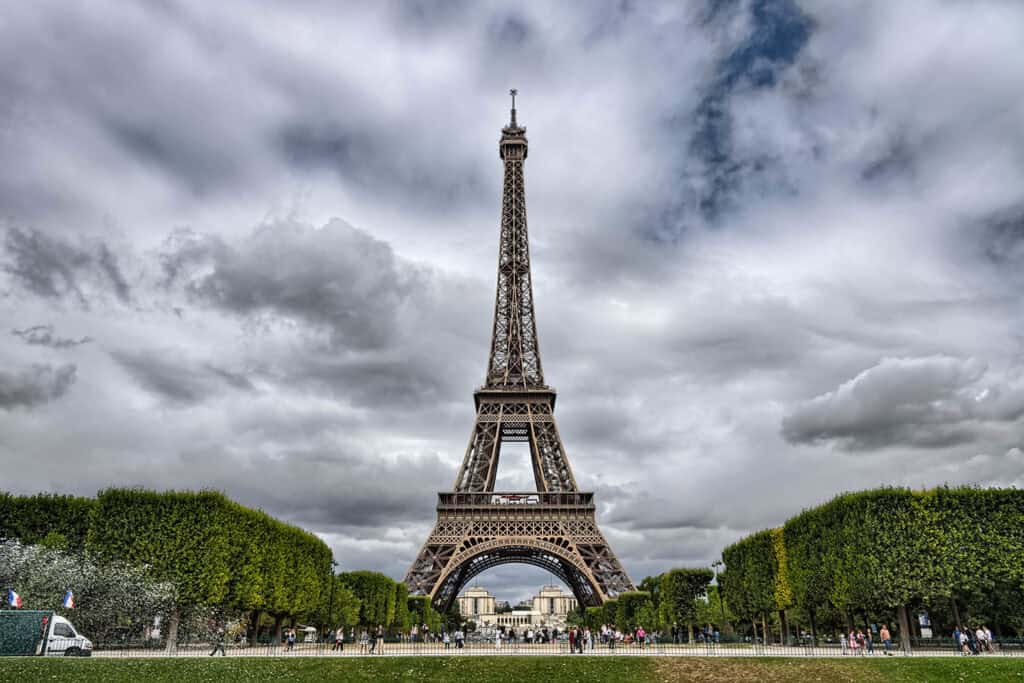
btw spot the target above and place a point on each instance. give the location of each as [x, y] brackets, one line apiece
[330, 603]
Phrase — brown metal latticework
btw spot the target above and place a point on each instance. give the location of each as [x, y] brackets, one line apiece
[554, 527]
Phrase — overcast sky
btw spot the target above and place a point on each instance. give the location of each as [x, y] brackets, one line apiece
[777, 252]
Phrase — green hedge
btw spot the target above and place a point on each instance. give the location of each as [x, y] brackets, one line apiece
[215, 552]
[888, 549]
[31, 519]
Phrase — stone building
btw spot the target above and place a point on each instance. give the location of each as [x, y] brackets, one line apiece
[550, 607]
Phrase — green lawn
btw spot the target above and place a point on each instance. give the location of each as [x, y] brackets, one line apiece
[514, 669]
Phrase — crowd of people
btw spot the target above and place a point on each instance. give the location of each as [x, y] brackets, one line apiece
[976, 642]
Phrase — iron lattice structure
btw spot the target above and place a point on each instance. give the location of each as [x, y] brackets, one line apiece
[553, 527]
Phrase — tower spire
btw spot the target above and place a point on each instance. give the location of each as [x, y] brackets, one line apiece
[513, 92]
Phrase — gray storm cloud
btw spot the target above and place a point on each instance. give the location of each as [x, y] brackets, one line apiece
[35, 385]
[918, 402]
[774, 245]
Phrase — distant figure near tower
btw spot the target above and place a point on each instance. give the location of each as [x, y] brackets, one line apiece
[553, 527]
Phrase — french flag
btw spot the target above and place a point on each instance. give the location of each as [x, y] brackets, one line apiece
[13, 599]
[69, 600]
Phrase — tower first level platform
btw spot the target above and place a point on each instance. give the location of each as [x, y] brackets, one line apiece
[553, 531]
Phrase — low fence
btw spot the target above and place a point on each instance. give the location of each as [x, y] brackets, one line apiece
[477, 645]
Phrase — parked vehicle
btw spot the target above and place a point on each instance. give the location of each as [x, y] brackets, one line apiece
[40, 632]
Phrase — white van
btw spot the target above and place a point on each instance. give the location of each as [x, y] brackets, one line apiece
[64, 640]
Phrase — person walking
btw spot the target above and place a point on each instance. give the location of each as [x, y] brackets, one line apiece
[641, 636]
[339, 639]
[218, 642]
[380, 639]
[289, 640]
[886, 639]
[460, 639]
[982, 639]
[497, 639]
[446, 639]
[364, 642]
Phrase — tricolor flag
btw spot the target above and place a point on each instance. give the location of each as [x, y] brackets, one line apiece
[13, 599]
[69, 600]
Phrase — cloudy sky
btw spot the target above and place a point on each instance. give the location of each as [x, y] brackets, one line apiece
[777, 251]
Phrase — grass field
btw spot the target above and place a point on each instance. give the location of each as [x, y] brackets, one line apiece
[514, 669]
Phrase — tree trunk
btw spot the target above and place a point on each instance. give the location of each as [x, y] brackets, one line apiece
[252, 633]
[753, 622]
[689, 631]
[764, 627]
[278, 624]
[814, 628]
[956, 613]
[849, 621]
[173, 619]
[904, 629]
[783, 628]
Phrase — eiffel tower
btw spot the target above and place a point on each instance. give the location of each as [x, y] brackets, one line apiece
[553, 527]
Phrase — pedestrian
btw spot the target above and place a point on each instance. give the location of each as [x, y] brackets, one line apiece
[380, 639]
[460, 639]
[641, 636]
[988, 639]
[572, 640]
[869, 642]
[364, 642]
[886, 639]
[497, 639]
[218, 642]
[446, 639]
[979, 635]
[289, 640]
[339, 639]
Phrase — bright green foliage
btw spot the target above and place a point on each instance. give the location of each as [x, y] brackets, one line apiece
[212, 550]
[680, 589]
[422, 612]
[402, 619]
[782, 592]
[343, 605]
[887, 548]
[710, 610]
[30, 519]
[376, 594]
[631, 607]
[610, 610]
[749, 581]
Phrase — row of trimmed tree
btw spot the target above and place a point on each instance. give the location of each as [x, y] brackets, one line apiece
[880, 556]
[194, 558]
[211, 550]
[679, 597]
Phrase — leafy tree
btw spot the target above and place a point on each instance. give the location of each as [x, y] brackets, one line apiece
[113, 601]
[630, 607]
[680, 589]
[376, 594]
